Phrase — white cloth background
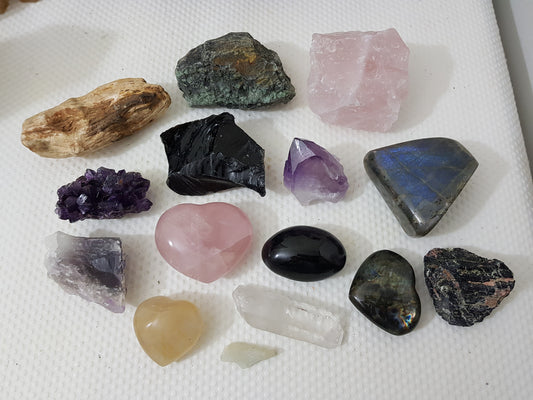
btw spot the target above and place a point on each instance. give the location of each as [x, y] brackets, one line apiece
[57, 346]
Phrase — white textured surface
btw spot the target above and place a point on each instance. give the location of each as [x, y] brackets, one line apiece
[57, 346]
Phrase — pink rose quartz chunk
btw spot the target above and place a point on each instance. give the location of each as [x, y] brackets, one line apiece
[204, 241]
[358, 79]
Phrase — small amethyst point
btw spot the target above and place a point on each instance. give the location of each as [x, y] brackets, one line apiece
[313, 174]
[92, 268]
[103, 194]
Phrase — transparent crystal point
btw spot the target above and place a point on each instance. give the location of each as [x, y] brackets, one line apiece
[268, 310]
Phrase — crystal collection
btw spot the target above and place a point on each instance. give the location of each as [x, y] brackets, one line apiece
[357, 80]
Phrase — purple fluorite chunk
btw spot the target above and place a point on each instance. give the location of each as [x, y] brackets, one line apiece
[92, 268]
[314, 174]
[103, 194]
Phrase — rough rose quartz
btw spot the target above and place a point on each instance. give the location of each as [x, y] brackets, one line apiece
[358, 79]
[203, 241]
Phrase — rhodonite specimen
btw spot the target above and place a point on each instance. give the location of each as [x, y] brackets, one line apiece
[465, 287]
[92, 268]
[268, 310]
[313, 174]
[420, 179]
[204, 241]
[167, 329]
[246, 355]
[84, 124]
[213, 154]
[103, 194]
[234, 71]
[304, 253]
[383, 289]
[358, 79]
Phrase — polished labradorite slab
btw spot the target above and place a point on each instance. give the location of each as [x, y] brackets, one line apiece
[383, 289]
[420, 179]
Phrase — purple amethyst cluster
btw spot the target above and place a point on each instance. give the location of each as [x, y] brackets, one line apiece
[103, 194]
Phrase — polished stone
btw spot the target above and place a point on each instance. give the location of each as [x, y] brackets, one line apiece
[420, 179]
[203, 241]
[90, 267]
[304, 253]
[167, 329]
[313, 174]
[358, 79]
[266, 309]
[246, 355]
[383, 289]
[213, 154]
[234, 71]
[465, 287]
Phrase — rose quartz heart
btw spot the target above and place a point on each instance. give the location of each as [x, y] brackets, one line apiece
[203, 241]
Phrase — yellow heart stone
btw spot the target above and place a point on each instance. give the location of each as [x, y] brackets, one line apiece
[167, 329]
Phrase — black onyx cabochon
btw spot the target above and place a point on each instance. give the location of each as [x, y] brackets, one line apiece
[213, 154]
[420, 179]
[304, 253]
[383, 289]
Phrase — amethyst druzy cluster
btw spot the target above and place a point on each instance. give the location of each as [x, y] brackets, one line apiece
[103, 194]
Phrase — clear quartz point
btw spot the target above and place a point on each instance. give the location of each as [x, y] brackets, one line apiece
[268, 310]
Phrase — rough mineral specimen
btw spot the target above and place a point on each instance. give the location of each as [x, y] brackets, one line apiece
[213, 154]
[268, 310]
[420, 179]
[103, 194]
[383, 289]
[304, 253]
[84, 124]
[464, 286]
[313, 174]
[234, 71]
[246, 355]
[167, 329]
[92, 268]
[358, 79]
[203, 241]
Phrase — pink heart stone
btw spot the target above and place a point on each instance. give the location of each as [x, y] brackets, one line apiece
[203, 241]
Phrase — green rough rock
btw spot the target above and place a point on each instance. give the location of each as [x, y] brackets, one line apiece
[234, 71]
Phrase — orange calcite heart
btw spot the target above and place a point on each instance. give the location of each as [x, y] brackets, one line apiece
[167, 329]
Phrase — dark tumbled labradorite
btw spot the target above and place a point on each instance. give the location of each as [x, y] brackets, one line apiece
[420, 179]
[234, 71]
[213, 154]
[304, 253]
[465, 287]
[383, 289]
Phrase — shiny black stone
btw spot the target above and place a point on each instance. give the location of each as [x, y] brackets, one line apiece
[304, 253]
[420, 179]
[213, 154]
[465, 287]
[383, 289]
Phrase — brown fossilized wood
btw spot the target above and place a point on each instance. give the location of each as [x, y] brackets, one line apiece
[88, 123]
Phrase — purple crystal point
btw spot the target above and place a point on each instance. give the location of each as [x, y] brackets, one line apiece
[314, 174]
[103, 194]
[92, 268]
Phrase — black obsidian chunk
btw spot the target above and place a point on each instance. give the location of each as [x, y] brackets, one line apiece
[213, 154]
[304, 253]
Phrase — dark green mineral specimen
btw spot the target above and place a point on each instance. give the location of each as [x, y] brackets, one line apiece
[464, 286]
[383, 289]
[234, 71]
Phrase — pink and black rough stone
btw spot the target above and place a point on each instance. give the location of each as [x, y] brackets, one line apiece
[465, 287]
[103, 194]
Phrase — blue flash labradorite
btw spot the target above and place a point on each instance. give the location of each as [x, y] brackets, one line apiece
[420, 179]
[383, 289]
[304, 253]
